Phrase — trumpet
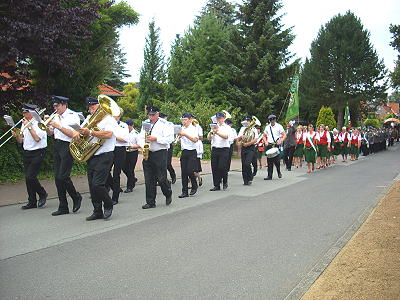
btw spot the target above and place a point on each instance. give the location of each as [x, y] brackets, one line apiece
[43, 125]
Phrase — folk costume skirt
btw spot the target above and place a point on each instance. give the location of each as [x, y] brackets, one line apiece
[299, 152]
[309, 154]
[323, 150]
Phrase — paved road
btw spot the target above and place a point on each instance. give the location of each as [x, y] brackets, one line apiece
[267, 241]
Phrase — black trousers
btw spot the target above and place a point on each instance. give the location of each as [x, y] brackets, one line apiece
[254, 162]
[63, 162]
[288, 156]
[273, 161]
[155, 170]
[198, 168]
[188, 165]
[247, 155]
[98, 169]
[129, 168]
[32, 163]
[114, 180]
[228, 168]
[219, 164]
[169, 162]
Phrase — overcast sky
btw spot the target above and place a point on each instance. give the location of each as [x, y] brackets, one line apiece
[307, 16]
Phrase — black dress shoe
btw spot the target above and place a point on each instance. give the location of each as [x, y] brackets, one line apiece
[77, 203]
[42, 200]
[215, 188]
[254, 174]
[114, 202]
[128, 191]
[280, 175]
[107, 213]
[60, 212]
[94, 217]
[135, 180]
[183, 195]
[247, 183]
[225, 186]
[200, 181]
[168, 200]
[192, 192]
[29, 206]
[268, 178]
[173, 180]
[147, 206]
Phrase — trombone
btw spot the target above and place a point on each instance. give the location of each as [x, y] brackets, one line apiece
[18, 131]
[43, 125]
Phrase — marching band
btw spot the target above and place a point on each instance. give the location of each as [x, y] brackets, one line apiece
[109, 145]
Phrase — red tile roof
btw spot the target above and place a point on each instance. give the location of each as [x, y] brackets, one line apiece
[109, 90]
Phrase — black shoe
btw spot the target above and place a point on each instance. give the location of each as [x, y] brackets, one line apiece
[107, 213]
[60, 212]
[215, 188]
[254, 174]
[247, 183]
[168, 199]
[225, 186]
[192, 192]
[77, 203]
[29, 206]
[268, 178]
[280, 175]
[135, 180]
[200, 181]
[128, 191]
[146, 206]
[289, 169]
[183, 195]
[42, 200]
[114, 202]
[94, 217]
[173, 180]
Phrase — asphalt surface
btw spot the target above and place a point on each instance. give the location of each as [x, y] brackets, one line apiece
[266, 241]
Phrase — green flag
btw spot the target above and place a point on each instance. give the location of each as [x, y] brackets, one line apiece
[293, 107]
[347, 116]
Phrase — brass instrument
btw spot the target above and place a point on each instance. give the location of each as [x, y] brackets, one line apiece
[85, 147]
[146, 147]
[248, 133]
[227, 115]
[19, 131]
[195, 122]
[43, 125]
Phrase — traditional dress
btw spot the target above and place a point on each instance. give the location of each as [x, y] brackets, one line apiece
[336, 145]
[344, 141]
[310, 146]
[299, 152]
[325, 138]
[355, 143]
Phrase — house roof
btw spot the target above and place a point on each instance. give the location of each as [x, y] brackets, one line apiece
[109, 90]
[12, 81]
[394, 107]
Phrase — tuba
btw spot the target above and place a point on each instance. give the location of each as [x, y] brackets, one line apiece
[248, 133]
[85, 147]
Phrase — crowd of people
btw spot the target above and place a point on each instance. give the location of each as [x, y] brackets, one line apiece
[115, 147]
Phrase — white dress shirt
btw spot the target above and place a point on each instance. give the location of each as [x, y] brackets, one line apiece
[219, 142]
[164, 133]
[122, 131]
[187, 144]
[29, 143]
[199, 144]
[277, 130]
[68, 118]
[232, 136]
[314, 135]
[107, 124]
[133, 139]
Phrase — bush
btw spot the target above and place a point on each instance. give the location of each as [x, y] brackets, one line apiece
[372, 123]
[326, 117]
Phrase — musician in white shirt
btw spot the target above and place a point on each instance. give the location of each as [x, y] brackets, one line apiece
[232, 137]
[247, 149]
[63, 133]
[274, 135]
[160, 136]
[99, 165]
[189, 136]
[219, 138]
[199, 150]
[131, 157]
[34, 141]
[170, 168]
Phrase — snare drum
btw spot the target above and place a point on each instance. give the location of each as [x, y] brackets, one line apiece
[271, 153]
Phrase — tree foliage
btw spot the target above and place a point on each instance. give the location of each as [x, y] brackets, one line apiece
[395, 75]
[343, 68]
[129, 103]
[326, 117]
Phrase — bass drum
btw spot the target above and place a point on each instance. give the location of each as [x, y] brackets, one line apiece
[273, 152]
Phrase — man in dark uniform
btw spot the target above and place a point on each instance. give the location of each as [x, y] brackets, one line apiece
[289, 145]
[63, 133]
[34, 142]
[158, 136]
[170, 168]
[99, 164]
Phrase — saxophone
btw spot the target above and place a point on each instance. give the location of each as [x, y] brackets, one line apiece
[85, 147]
[146, 147]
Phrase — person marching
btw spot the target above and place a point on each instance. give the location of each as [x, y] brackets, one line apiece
[260, 149]
[274, 135]
[170, 168]
[247, 137]
[157, 138]
[324, 144]
[121, 132]
[344, 143]
[199, 150]
[60, 127]
[99, 165]
[299, 152]
[219, 137]
[355, 145]
[34, 142]
[289, 146]
[335, 145]
[232, 137]
[131, 157]
[310, 139]
[189, 137]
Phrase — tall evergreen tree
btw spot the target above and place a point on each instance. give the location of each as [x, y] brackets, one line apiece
[263, 45]
[222, 9]
[153, 73]
[343, 68]
[395, 75]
